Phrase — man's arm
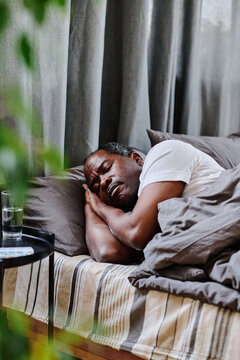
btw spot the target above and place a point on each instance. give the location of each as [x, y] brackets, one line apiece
[136, 228]
[102, 245]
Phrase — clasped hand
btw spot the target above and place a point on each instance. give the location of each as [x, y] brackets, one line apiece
[92, 199]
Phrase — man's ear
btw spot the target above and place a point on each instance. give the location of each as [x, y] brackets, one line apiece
[137, 158]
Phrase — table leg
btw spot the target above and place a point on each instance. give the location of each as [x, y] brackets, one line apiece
[1, 282]
[50, 297]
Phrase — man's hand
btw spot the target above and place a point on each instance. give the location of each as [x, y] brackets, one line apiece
[92, 199]
[137, 227]
[101, 243]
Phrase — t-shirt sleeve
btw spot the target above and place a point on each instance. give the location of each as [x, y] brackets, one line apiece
[170, 160]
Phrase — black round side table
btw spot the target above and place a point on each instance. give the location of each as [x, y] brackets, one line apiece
[43, 246]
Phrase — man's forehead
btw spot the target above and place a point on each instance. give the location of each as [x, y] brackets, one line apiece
[97, 157]
[94, 161]
[101, 155]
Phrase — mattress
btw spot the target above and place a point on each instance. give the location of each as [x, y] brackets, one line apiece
[96, 301]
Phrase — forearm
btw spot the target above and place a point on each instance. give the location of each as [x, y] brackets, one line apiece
[119, 224]
[137, 227]
[102, 245]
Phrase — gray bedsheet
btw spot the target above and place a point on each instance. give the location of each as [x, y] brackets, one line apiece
[197, 252]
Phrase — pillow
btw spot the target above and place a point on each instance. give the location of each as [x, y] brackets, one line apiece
[224, 150]
[56, 204]
[139, 152]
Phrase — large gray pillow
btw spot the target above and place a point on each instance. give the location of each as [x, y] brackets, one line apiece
[225, 150]
[56, 205]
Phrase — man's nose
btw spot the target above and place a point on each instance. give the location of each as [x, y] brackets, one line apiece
[105, 181]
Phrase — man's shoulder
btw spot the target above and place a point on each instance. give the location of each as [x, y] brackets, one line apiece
[170, 145]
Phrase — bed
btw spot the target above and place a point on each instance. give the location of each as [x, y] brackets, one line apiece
[96, 302]
[157, 318]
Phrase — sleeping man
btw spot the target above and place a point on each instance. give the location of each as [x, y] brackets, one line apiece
[123, 191]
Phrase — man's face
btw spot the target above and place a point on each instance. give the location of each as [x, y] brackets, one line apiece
[114, 178]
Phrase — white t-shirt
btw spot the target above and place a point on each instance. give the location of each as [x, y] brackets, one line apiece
[174, 160]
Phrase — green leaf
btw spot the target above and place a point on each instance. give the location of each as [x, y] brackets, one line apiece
[18, 322]
[4, 16]
[52, 158]
[25, 51]
[21, 112]
[14, 167]
[9, 139]
[37, 8]
[61, 3]
[18, 348]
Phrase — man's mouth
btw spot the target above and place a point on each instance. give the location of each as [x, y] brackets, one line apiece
[112, 189]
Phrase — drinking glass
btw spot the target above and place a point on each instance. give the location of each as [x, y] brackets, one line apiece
[12, 215]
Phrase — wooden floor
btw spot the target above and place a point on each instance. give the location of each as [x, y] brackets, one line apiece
[74, 344]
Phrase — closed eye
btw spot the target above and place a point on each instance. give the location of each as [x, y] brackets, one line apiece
[95, 187]
[107, 166]
[104, 168]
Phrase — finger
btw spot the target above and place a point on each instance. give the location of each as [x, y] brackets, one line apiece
[87, 198]
[85, 186]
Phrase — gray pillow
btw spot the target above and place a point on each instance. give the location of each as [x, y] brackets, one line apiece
[56, 205]
[225, 150]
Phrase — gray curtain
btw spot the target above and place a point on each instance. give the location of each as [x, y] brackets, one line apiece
[125, 66]
[45, 88]
[193, 66]
[107, 98]
[167, 64]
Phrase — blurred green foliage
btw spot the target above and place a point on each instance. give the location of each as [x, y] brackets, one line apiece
[16, 167]
[25, 50]
[4, 15]
[14, 344]
[38, 8]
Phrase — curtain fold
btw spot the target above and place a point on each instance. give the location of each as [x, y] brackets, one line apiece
[86, 46]
[187, 106]
[50, 80]
[162, 56]
[107, 76]
[230, 91]
[128, 79]
[193, 56]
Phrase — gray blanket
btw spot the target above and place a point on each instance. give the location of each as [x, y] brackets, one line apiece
[197, 252]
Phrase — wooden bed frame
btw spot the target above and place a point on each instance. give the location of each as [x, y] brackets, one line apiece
[78, 347]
